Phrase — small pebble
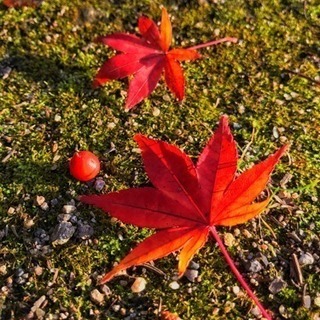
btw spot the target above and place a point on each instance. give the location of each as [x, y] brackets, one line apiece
[96, 296]
[174, 285]
[62, 233]
[3, 269]
[20, 280]
[2, 234]
[247, 234]
[111, 125]
[40, 200]
[11, 210]
[277, 285]
[74, 219]
[57, 118]
[306, 301]
[138, 285]
[255, 311]
[236, 290]
[156, 112]
[19, 272]
[99, 184]
[236, 126]
[193, 265]
[84, 231]
[241, 109]
[288, 97]
[236, 232]
[69, 208]
[283, 311]
[38, 270]
[255, 266]
[228, 239]
[306, 258]
[54, 202]
[123, 283]
[264, 260]
[191, 274]
[5, 72]
[106, 290]
[116, 307]
[317, 301]
[28, 223]
[45, 206]
[275, 132]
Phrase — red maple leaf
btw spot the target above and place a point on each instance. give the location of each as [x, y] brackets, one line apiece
[188, 200]
[145, 58]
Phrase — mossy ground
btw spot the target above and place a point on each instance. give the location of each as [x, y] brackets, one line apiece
[268, 84]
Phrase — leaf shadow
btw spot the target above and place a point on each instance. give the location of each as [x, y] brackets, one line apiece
[53, 71]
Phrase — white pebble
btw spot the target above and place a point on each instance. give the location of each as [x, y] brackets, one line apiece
[174, 285]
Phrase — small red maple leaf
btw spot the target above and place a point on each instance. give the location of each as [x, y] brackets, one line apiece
[188, 201]
[145, 58]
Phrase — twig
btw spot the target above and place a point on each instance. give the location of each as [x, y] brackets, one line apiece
[212, 43]
[248, 144]
[8, 156]
[153, 268]
[302, 76]
[268, 227]
[297, 269]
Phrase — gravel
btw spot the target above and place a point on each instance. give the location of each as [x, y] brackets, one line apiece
[62, 233]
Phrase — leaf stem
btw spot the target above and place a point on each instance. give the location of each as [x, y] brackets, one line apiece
[237, 273]
[212, 43]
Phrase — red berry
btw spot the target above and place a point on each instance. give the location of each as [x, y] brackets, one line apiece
[84, 165]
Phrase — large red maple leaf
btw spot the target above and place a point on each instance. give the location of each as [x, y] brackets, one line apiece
[145, 58]
[188, 200]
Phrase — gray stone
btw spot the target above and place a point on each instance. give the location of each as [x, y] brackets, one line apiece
[96, 296]
[84, 231]
[277, 285]
[62, 233]
[45, 206]
[306, 258]
[99, 184]
[191, 274]
[2, 234]
[307, 301]
[255, 311]
[19, 272]
[254, 266]
[106, 290]
[193, 265]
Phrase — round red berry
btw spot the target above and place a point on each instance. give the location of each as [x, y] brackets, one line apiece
[84, 165]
